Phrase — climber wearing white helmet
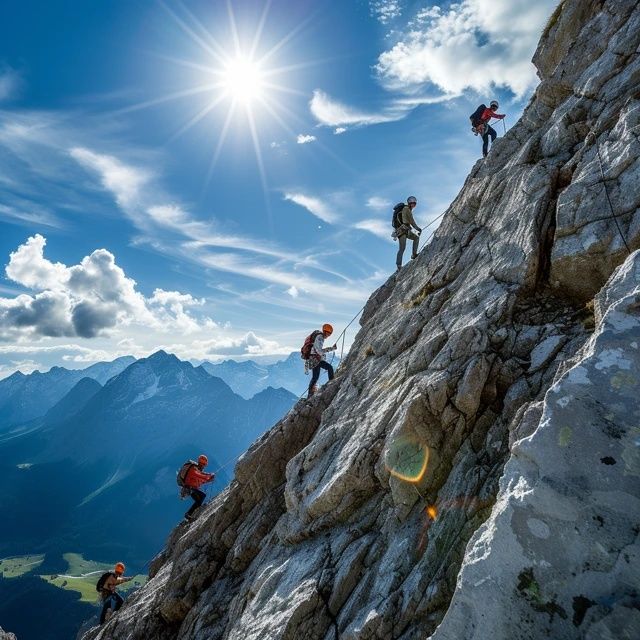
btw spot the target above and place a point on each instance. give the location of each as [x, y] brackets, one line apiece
[403, 230]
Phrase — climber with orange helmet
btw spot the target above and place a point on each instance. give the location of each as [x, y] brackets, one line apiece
[315, 355]
[194, 478]
[106, 586]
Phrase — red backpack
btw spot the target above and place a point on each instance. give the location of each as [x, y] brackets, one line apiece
[184, 470]
[305, 352]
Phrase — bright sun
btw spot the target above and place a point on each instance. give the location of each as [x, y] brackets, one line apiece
[236, 78]
[243, 80]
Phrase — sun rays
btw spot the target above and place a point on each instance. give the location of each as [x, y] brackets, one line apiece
[234, 82]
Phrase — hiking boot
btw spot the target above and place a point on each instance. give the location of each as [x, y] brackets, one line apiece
[398, 267]
[413, 257]
[108, 614]
[312, 390]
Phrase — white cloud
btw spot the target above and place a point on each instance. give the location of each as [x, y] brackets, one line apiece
[10, 81]
[338, 130]
[84, 300]
[293, 291]
[471, 45]
[248, 344]
[314, 206]
[375, 226]
[375, 202]
[386, 10]
[305, 139]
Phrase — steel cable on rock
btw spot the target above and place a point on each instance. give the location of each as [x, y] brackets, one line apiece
[606, 191]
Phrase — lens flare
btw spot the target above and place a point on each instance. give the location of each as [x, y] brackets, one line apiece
[432, 511]
[407, 459]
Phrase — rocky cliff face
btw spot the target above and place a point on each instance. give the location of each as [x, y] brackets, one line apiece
[473, 471]
[5, 635]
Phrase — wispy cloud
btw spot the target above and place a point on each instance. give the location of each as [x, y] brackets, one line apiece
[332, 113]
[19, 216]
[377, 227]
[305, 139]
[376, 202]
[10, 82]
[124, 181]
[313, 205]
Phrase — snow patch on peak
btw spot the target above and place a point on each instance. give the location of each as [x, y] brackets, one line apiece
[150, 391]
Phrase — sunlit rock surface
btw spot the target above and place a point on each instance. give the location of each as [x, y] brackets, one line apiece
[5, 635]
[472, 472]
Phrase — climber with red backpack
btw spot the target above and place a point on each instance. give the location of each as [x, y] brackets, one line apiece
[313, 352]
[480, 119]
[190, 478]
[106, 587]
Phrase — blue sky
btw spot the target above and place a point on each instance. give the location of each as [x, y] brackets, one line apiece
[216, 178]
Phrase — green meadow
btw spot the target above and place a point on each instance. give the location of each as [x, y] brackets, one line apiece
[80, 576]
[19, 565]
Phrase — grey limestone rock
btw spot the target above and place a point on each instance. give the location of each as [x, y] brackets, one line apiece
[472, 471]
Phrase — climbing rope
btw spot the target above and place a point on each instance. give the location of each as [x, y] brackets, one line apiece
[426, 227]
[606, 191]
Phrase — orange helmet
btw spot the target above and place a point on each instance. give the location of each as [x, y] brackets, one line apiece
[119, 568]
[203, 460]
[327, 328]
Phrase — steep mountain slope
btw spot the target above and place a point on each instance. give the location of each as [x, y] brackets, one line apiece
[73, 402]
[473, 470]
[25, 397]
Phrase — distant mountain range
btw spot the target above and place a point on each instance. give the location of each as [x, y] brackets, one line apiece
[247, 378]
[24, 397]
[98, 466]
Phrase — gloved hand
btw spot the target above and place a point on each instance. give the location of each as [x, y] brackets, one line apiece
[335, 346]
[419, 231]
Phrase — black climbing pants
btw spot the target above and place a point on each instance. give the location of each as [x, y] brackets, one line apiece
[488, 131]
[315, 373]
[198, 498]
[112, 601]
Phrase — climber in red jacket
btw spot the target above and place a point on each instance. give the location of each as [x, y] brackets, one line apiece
[195, 478]
[480, 124]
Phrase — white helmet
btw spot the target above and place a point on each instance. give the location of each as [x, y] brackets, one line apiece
[412, 200]
[494, 104]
